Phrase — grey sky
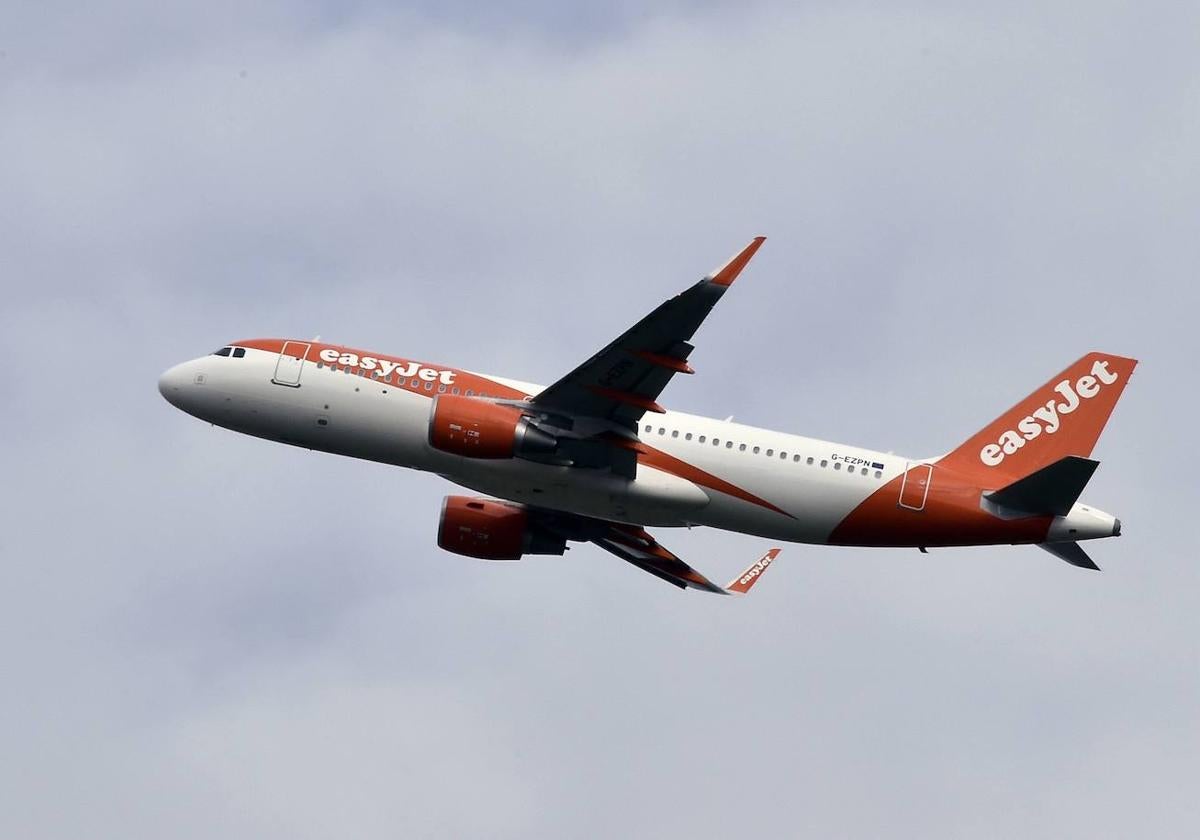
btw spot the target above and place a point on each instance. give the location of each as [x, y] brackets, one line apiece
[209, 635]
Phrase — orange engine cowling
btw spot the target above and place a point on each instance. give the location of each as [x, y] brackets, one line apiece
[492, 530]
[477, 428]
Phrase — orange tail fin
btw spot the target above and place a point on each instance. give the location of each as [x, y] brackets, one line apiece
[1063, 417]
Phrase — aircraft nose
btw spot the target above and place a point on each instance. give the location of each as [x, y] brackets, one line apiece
[171, 384]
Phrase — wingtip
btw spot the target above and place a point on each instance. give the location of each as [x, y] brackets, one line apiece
[726, 274]
[742, 583]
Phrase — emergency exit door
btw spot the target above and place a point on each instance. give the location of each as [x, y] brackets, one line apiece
[914, 490]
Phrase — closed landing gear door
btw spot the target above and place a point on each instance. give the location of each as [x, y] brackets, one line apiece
[291, 361]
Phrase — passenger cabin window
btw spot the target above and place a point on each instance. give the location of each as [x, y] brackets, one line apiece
[703, 439]
[224, 351]
[238, 352]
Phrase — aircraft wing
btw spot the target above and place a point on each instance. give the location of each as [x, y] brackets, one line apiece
[632, 544]
[635, 546]
[623, 381]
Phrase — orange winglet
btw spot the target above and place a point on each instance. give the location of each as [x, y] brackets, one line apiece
[629, 399]
[742, 583]
[726, 275]
[668, 362]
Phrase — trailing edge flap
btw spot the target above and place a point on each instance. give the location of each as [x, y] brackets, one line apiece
[1070, 552]
[1053, 489]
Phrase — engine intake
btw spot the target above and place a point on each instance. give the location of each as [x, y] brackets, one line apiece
[492, 530]
[476, 428]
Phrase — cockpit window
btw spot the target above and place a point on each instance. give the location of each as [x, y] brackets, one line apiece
[224, 351]
[238, 352]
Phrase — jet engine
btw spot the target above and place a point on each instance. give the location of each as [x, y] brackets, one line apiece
[492, 530]
[477, 428]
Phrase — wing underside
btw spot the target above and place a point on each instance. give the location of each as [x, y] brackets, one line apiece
[624, 380]
[638, 548]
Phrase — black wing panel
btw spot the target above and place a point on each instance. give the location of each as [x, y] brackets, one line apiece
[624, 380]
[633, 545]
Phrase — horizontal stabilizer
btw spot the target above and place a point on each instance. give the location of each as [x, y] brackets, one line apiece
[1053, 489]
[1070, 552]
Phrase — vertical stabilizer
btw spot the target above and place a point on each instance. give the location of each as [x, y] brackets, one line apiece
[1063, 417]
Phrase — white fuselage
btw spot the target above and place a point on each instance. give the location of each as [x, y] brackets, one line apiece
[811, 484]
[690, 470]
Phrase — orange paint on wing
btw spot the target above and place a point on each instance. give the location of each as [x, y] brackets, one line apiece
[636, 400]
[668, 362]
[730, 271]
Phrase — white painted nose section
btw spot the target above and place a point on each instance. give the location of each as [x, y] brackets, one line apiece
[173, 384]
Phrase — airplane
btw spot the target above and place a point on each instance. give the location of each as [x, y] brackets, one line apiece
[595, 458]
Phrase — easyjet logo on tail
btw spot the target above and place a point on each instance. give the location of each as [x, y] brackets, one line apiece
[1048, 419]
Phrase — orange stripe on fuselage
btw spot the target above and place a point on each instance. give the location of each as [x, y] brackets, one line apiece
[462, 380]
[952, 515]
[660, 460]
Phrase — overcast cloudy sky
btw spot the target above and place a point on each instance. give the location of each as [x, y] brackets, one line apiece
[208, 635]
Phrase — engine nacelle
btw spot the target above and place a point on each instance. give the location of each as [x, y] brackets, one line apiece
[492, 530]
[477, 428]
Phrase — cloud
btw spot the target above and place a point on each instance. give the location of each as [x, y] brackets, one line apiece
[211, 634]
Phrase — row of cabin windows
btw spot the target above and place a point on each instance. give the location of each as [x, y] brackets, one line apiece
[236, 352]
[414, 383]
[770, 453]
